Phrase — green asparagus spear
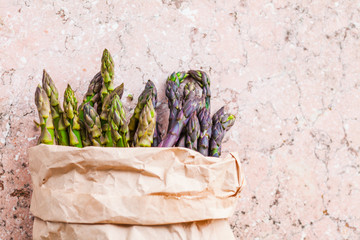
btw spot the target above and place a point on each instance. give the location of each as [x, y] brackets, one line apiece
[221, 124]
[104, 116]
[117, 122]
[85, 138]
[92, 124]
[92, 95]
[108, 100]
[157, 133]
[148, 92]
[71, 118]
[107, 73]
[146, 128]
[46, 122]
[56, 111]
[192, 132]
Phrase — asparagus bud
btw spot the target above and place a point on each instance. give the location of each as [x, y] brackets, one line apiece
[71, 118]
[221, 124]
[46, 122]
[192, 132]
[146, 128]
[107, 73]
[56, 111]
[117, 122]
[92, 124]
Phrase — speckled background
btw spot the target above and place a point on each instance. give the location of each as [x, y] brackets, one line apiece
[288, 70]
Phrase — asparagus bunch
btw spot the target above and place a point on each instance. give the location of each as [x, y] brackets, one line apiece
[190, 123]
[117, 121]
[46, 121]
[71, 118]
[221, 124]
[56, 111]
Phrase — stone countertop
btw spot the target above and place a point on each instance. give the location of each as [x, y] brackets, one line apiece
[288, 71]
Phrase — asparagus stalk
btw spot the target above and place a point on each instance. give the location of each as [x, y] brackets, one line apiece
[118, 91]
[173, 94]
[46, 122]
[117, 122]
[205, 131]
[85, 138]
[192, 132]
[107, 73]
[92, 95]
[157, 135]
[182, 118]
[221, 124]
[148, 92]
[204, 116]
[147, 123]
[92, 124]
[204, 81]
[181, 141]
[71, 118]
[56, 111]
[104, 116]
[189, 91]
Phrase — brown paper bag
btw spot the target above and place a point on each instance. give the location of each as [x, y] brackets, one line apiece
[102, 193]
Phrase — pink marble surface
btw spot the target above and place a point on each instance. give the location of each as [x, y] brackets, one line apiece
[289, 71]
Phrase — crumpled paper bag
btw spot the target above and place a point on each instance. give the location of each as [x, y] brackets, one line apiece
[101, 193]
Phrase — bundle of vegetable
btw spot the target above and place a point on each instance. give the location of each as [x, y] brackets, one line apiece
[101, 118]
